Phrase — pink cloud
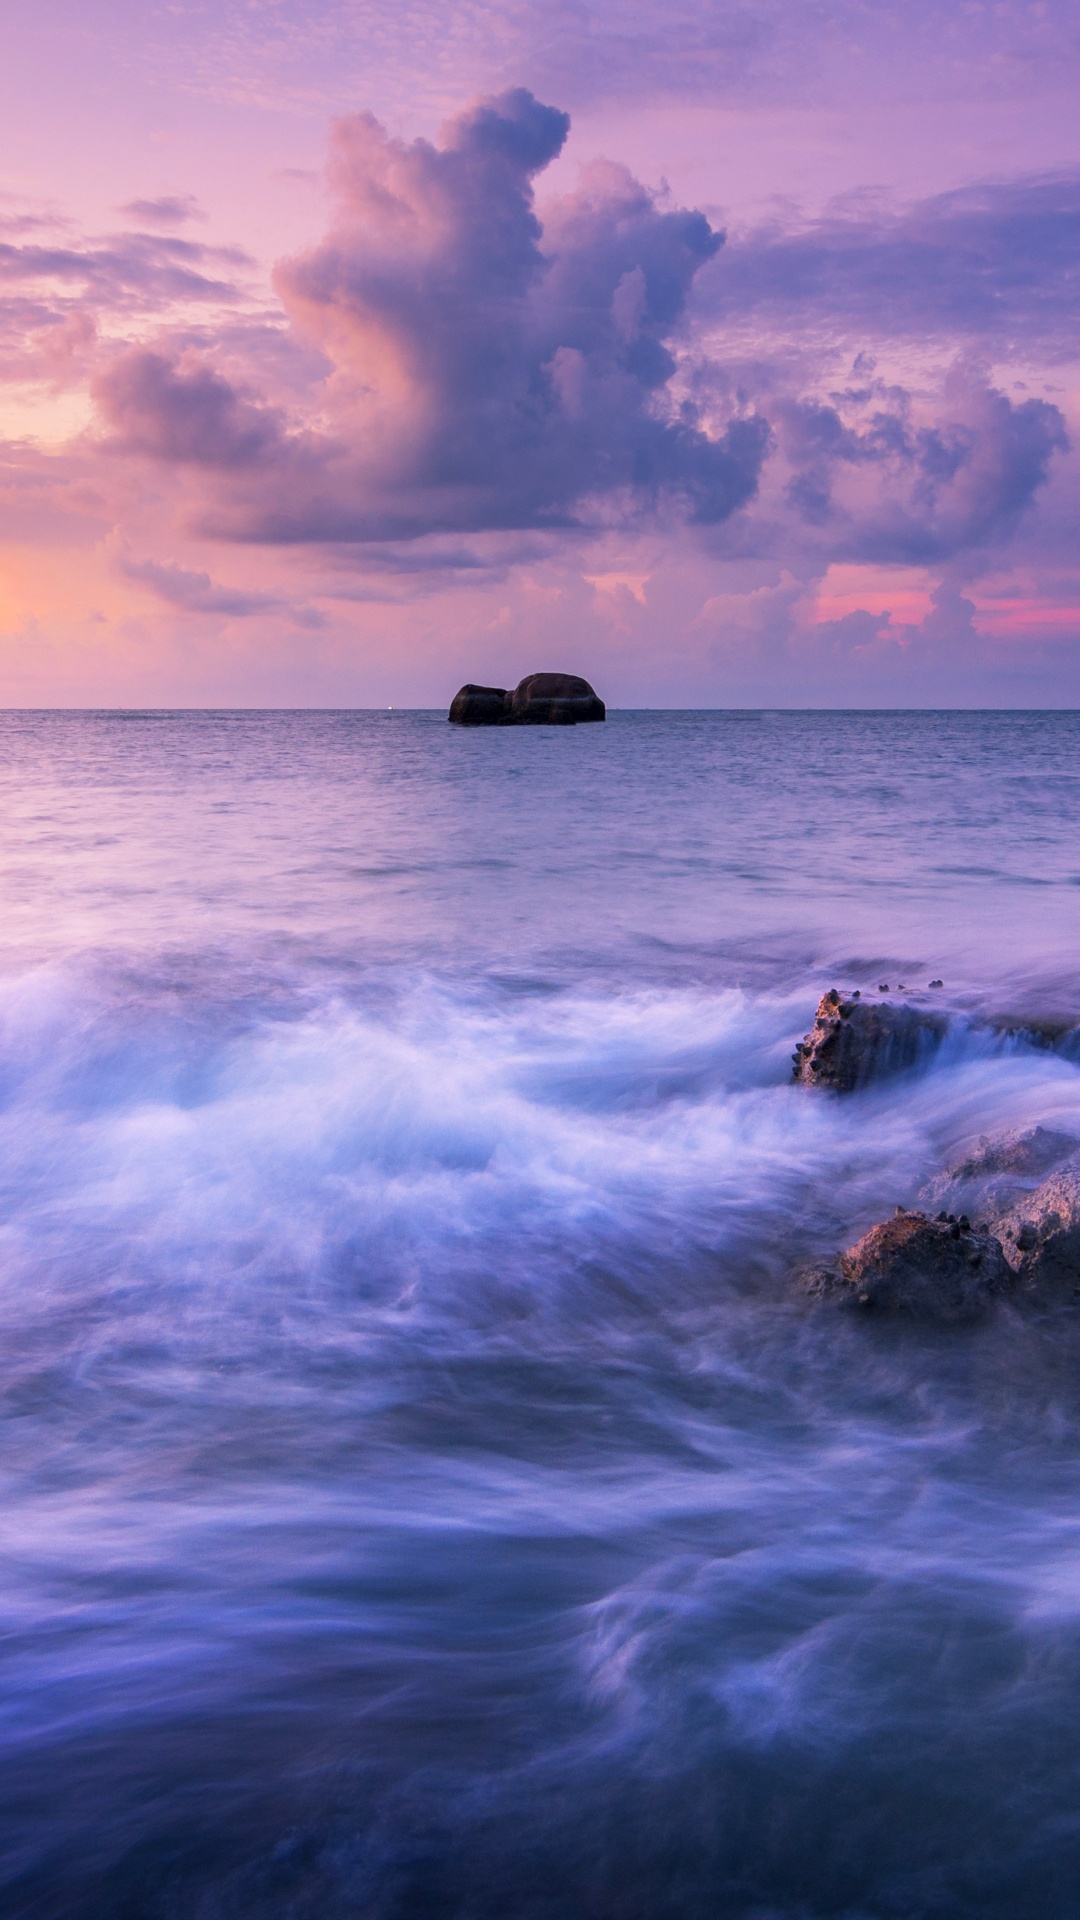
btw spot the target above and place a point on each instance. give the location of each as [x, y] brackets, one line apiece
[181, 411]
[484, 372]
[492, 417]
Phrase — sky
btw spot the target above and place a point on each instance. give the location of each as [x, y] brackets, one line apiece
[724, 353]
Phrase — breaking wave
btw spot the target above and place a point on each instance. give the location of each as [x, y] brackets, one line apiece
[423, 1492]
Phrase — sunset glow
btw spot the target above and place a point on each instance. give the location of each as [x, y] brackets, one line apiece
[339, 329]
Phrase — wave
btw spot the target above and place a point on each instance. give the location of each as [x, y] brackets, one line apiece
[424, 1496]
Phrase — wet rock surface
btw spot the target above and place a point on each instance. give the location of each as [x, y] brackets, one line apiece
[855, 1041]
[1003, 1219]
[944, 1270]
[997, 1173]
[541, 699]
[475, 706]
[560, 699]
[1040, 1235]
[1054, 1034]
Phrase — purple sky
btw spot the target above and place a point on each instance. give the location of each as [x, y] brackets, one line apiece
[726, 354]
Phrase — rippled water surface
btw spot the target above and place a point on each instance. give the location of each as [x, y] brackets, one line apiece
[423, 1494]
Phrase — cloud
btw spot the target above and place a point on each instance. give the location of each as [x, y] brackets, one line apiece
[470, 370]
[183, 412]
[995, 262]
[195, 592]
[460, 387]
[57, 298]
[879, 475]
[130, 273]
[169, 210]
[799, 52]
[485, 372]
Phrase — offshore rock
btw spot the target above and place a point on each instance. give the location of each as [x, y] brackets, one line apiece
[555, 699]
[943, 1270]
[855, 1041]
[480, 706]
[1041, 1234]
[541, 699]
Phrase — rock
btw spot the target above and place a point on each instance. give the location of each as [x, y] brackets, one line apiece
[996, 1174]
[541, 699]
[1055, 1034]
[929, 1269]
[1040, 1234]
[854, 1041]
[1028, 1154]
[480, 707]
[554, 699]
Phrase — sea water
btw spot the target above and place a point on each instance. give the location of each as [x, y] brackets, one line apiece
[424, 1493]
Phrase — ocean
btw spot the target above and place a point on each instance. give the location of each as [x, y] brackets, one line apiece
[425, 1496]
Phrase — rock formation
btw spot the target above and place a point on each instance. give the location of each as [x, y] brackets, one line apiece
[561, 699]
[1040, 1234]
[995, 1176]
[855, 1041]
[1012, 1229]
[541, 699]
[941, 1269]
[479, 706]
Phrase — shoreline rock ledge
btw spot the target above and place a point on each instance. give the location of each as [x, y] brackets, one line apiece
[540, 700]
[943, 1269]
[1023, 1247]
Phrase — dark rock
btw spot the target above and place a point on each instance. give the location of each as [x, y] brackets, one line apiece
[480, 707]
[1052, 1033]
[854, 1041]
[1040, 1233]
[928, 1269]
[555, 699]
[541, 699]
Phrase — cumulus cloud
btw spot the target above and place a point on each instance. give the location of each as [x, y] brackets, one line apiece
[459, 384]
[461, 368]
[182, 411]
[878, 475]
[485, 372]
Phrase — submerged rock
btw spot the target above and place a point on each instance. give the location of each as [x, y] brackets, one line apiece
[996, 1174]
[854, 1041]
[1040, 1234]
[541, 699]
[942, 1270]
[1055, 1034]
